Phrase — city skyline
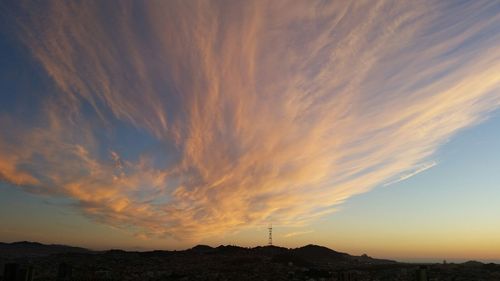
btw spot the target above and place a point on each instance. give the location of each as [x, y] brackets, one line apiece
[366, 127]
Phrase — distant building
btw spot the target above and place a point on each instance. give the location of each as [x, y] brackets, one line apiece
[346, 276]
[64, 272]
[421, 274]
[16, 272]
[10, 271]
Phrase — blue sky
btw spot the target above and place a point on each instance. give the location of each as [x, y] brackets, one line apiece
[366, 127]
[459, 196]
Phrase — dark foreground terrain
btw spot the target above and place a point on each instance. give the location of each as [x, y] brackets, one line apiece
[33, 261]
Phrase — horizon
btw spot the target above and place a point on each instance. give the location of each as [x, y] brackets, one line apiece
[429, 260]
[366, 127]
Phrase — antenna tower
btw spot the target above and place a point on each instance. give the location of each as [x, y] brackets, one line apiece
[270, 241]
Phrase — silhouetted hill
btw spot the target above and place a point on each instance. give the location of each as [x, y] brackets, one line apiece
[34, 249]
[269, 250]
[473, 263]
[230, 249]
[319, 253]
[202, 249]
[305, 256]
[299, 256]
[226, 262]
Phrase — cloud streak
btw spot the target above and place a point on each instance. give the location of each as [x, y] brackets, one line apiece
[274, 110]
[417, 171]
[297, 233]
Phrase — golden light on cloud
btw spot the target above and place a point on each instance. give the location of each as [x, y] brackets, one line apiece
[265, 110]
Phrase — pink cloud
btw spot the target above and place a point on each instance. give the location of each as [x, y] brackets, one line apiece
[279, 110]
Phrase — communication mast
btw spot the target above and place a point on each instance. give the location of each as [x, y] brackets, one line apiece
[270, 241]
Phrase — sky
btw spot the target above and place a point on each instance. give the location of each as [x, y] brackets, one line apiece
[364, 126]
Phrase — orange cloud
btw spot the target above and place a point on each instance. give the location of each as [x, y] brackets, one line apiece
[279, 110]
[297, 233]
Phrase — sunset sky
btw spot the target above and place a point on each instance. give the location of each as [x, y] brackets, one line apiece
[364, 126]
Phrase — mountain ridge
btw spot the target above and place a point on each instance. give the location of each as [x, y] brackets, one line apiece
[35, 249]
[300, 254]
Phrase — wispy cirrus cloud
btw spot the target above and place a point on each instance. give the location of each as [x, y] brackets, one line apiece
[275, 110]
[297, 233]
[418, 170]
